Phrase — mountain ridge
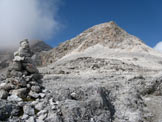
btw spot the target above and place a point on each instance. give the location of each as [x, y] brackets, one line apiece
[107, 34]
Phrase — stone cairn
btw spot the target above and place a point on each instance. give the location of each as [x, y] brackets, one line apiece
[22, 90]
[23, 80]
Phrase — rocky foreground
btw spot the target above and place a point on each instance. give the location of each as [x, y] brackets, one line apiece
[22, 96]
[102, 75]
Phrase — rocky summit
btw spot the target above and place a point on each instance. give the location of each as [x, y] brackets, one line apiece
[102, 75]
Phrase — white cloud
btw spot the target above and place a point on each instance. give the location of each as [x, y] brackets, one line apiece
[32, 19]
[158, 46]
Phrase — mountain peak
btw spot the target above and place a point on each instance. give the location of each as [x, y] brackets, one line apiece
[108, 36]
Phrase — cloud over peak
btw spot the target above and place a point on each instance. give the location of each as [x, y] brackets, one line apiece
[33, 19]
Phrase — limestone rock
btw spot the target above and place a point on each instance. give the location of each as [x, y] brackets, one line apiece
[14, 98]
[31, 119]
[33, 94]
[6, 86]
[22, 92]
[40, 106]
[28, 110]
[36, 89]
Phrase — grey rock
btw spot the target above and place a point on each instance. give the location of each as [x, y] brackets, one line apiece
[14, 73]
[42, 95]
[74, 96]
[17, 66]
[31, 119]
[25, 117]
[36, 89]
[42, 112]
[22, 92]
[35, 102]
[33, 94]
[14, 98]
[30, 68]
[8, 110]
[40, 106]
[6, 86]
[28, 110]
[53, 117]
[42, 117]
[3, 94]
[37, 76]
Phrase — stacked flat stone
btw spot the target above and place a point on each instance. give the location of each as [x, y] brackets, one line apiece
[22, 96]
[23, 80]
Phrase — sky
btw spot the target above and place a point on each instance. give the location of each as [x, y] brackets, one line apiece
[56, 21]
[142, 18]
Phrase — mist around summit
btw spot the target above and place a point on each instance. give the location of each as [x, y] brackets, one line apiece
[32, 19]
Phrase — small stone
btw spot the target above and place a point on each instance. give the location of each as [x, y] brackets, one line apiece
[53, 118]
[17, 59]
[30, 68]
[28, 78]
[34, 103]
[42, 117]
[44, 90]
[40, 106]
[42, 95]
[51, 101]
[14, 98]
[15, 73]
[54, 107]
[33, 83]
[17, 65]
[42, 112]
[3, 94]
[36, 89]
[37, 76]
[74, 96]
[57, 102]
[28, 110]
[25, 116]
[28, 86]
[2, 85]
[18, 82]
[33, 94]
[20, 92]
[31, 119]
[21, 103]
[6, 86]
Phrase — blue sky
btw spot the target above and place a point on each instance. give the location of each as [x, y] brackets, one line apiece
[142, 18]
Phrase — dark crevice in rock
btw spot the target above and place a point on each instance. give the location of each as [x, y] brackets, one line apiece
[107, 102]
